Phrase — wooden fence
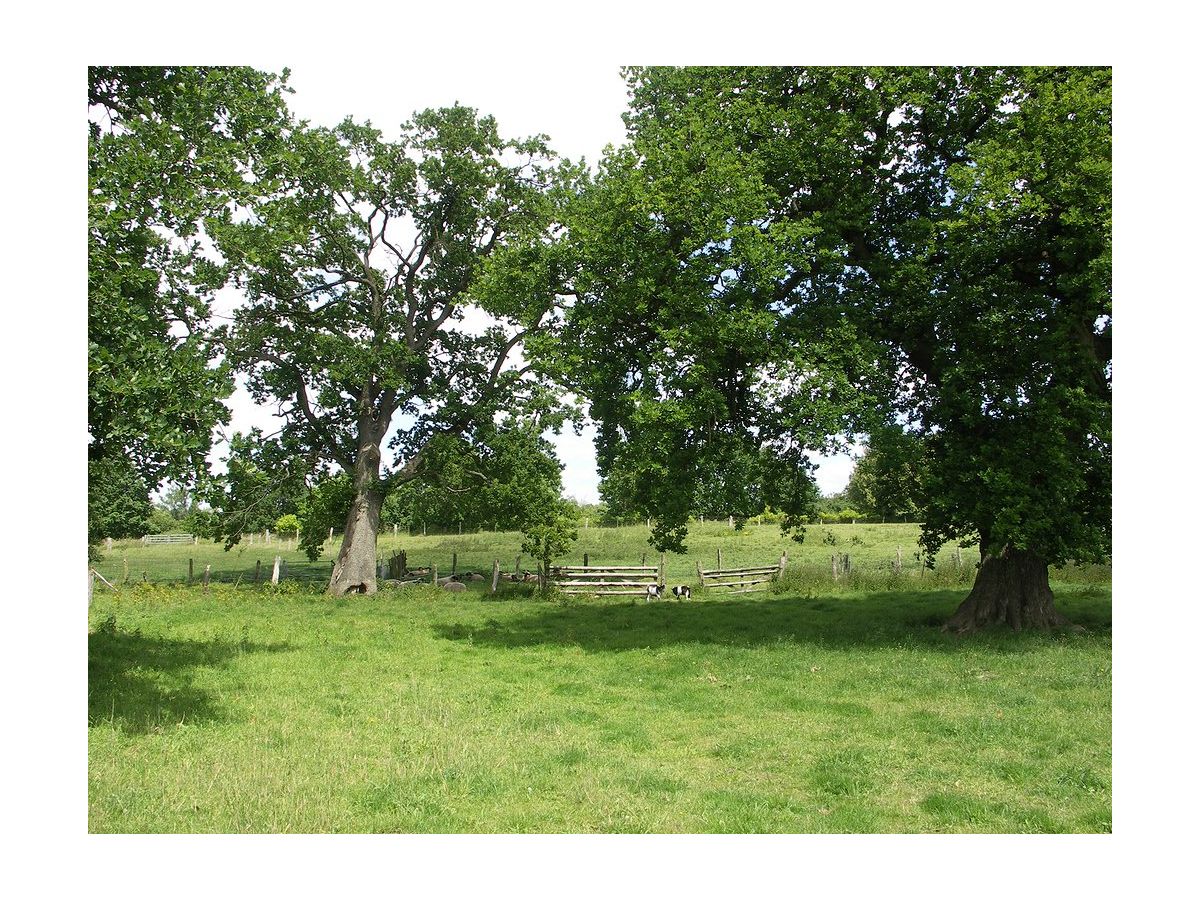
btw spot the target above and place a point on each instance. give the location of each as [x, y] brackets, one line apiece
[606, 580]
[169, 539]
[741, 581]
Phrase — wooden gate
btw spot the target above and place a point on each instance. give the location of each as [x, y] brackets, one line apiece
[606, 580]
[741, 581]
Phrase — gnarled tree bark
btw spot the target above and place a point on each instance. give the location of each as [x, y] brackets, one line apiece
[1012, 587]
[354, 572]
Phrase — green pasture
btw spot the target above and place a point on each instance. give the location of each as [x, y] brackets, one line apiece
[811, 708]
[872, 550]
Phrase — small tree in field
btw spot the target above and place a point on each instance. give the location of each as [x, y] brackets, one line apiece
[390, 287]
[287, 526]
[548, 535]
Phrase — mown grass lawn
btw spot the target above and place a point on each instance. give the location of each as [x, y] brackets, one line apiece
[416, 711]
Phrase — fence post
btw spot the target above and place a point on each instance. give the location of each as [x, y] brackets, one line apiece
[643, 560]
[585, 560]
[257, 570]
[454, 560]
[517, 565]
[731, 521]
[189, 570]
[662, 568]
[495, 574]
[834, 561]
[422, 529]
[125, 567]
[433, 568]
[275, 570]
[195, 541]
[720, 566]
[207, 566]
[782, 564]
[699, 573]
[108, 545]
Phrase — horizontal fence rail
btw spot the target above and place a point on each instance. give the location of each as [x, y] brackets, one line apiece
[170, 539]
[606, 580]
[745, 580]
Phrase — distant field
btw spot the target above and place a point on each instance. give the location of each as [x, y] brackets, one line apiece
[805, 710]
[872, 549]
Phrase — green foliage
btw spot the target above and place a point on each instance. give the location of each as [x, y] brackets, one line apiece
[324, 505]
[548, 533]
[118, 501]
[889, 480]
[287, 525]
[264, 479]
[824, 251]
[496, 480]
[161, 522]
[361, 268]
[166, 147]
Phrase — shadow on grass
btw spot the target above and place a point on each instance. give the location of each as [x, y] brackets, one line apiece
[140, 683]
[887, 619]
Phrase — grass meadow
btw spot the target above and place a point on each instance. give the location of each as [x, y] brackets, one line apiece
[872, 550]
[820, 706]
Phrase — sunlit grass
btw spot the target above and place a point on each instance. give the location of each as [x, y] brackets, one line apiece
[806, 710]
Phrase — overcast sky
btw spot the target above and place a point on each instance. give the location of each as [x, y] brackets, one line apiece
[578, 107]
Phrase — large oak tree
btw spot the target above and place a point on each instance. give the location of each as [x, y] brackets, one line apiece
[936, 241]
[391, 287]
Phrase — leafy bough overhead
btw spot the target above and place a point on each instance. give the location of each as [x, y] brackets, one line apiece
[392, 289]
[933, 245]
[167, 147]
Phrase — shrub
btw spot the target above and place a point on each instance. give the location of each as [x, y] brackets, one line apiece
[287, 525]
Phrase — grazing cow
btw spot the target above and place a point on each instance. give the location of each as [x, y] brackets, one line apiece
[682, 592]
[653, 592]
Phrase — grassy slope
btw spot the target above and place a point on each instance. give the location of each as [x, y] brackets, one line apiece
[799, 711]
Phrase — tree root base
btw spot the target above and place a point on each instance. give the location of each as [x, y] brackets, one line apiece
[1011, 588]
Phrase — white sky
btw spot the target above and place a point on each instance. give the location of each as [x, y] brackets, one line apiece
[579, 108]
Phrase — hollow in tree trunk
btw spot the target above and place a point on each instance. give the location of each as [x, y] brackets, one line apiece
[1012, 587]
[354, 571]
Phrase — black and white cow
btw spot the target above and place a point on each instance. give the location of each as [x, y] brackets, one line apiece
[682, 592]
[653, 592]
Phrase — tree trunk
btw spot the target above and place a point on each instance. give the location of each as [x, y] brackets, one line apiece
[354, 572]
[1011, 587]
